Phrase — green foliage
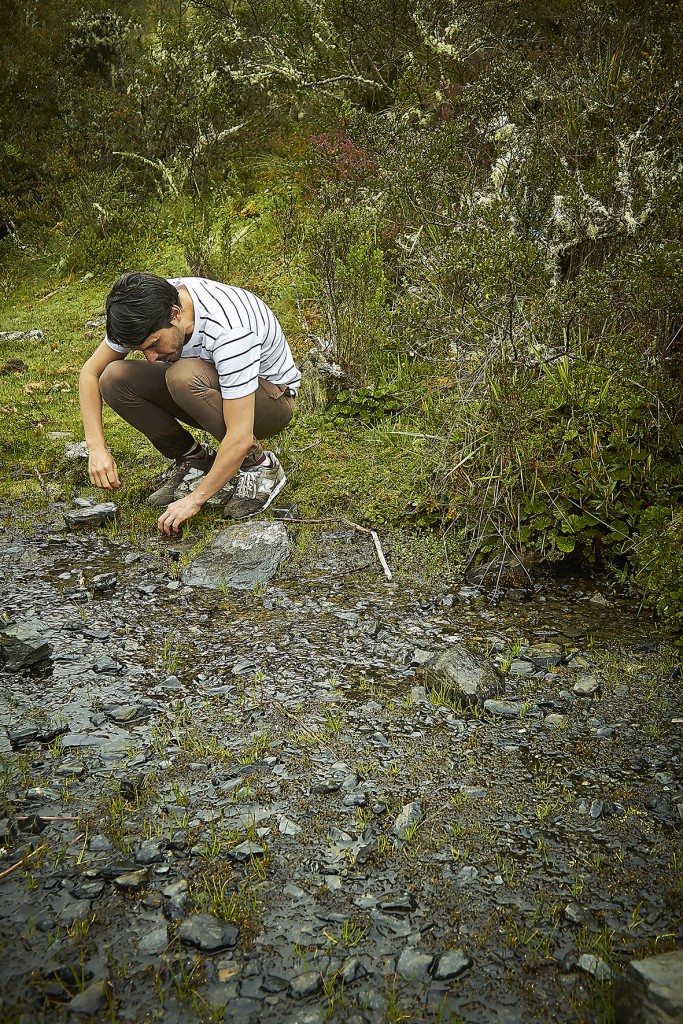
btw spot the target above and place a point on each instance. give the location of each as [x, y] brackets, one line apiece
[658, 564]
[366, 404]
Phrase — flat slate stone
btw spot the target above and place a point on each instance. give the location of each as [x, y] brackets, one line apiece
[451, 964]
[93, 516]
[240, 557]
[22, 644]
[207, 933]
[650, 991]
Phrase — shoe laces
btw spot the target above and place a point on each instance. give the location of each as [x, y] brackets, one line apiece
[247, 485]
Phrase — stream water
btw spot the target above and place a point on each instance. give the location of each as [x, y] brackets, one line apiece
[247, 806]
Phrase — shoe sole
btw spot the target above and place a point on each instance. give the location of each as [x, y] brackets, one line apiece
[250, 515]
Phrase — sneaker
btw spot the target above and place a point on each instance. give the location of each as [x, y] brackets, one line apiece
[256, 488]
[194, 478]
[176, 473]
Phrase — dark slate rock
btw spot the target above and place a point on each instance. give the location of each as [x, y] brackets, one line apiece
[650, 991]
[594, 966]
[240, 557]
[414, 965]
[105, 664]
[22, 644]
[410, 814]
[91, 1000]
[206, 933]
[306, 984]
[103, 581]
[503, 708]
[22, 735]
[451, 964]
[470, 678]
[154, 942]
[544, 655]
[93, 516]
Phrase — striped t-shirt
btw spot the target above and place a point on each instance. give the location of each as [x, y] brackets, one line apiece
[239, 334]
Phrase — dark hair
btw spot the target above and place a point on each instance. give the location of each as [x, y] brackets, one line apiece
[137, 305]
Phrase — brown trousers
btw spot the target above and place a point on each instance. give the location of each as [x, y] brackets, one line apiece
[154, 397]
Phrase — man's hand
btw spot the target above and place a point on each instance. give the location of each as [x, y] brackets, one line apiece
[177, 513]
[102, 469]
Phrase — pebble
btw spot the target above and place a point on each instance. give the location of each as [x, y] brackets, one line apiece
[91, 1000]
[306, 984]
[594, 966]
[206, 933]
[414, 965]
[451, 964]
[586, 686]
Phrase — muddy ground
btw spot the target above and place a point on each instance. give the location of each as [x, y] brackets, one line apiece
[247, 807]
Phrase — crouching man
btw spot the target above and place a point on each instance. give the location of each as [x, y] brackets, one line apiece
[215, 357]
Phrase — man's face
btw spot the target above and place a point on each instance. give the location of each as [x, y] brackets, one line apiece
[164, 345]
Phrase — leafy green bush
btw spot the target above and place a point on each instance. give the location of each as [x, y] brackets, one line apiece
[658, 564]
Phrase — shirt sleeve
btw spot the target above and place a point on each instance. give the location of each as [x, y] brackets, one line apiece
[115, 347]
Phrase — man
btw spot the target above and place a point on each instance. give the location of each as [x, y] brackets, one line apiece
[215, 357]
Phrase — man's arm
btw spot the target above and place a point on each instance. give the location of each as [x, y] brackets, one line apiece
[238, 414]
[101, 466]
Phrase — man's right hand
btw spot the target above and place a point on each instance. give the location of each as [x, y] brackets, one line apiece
[102, 469]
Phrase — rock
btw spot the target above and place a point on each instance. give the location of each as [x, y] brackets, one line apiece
[306, 984]
[521, 668]
[206, 933]
[131, 881]
[586, 686]
[503, 708]
[469, 677]
[351, 970]
[149, 852]
[451, 964]
[409, 816]
[650, 991]
[243, 851]
[594, 966]
[96, 515]
[127, 713]
[555, 721]
[22, 645]
[240, 557]
[11, 336]
[107, 665]
[103, 581]
[154, 943]
[91, 1000]
[414, 965]
[545, 655]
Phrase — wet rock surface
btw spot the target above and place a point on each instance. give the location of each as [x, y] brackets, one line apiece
[240, 557]
[251, 805]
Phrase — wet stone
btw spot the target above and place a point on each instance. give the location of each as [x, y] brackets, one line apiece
[414, 965]
[240, 557]
[154, 942]
[206, 933]
[410, 814]
[149, 852]
[469, 677]
[503, 708]
[103, 581]
[594, 966]
[544, 655]
[89, 1002]
[96, 515]
[306, 984]
[22, 644]
[451, 964]
[107, 665]
[76, 911]
[586, 686]
[246, 850]
[131, 881]
[650, 991]
[128, 713]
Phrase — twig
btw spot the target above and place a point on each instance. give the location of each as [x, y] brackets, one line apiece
[34, 853]
[45, 817]
[355, 526]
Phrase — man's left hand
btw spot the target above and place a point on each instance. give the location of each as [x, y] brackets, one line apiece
[177, 513]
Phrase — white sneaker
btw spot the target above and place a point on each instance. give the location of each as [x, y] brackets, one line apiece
[256, 488]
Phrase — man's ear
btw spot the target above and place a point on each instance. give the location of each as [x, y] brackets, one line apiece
[176, 312]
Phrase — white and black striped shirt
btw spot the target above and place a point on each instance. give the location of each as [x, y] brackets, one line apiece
[239, 334]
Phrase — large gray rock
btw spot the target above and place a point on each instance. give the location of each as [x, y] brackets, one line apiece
[94, 515]
[240, 557]
[650, 991]
[470, 678]
[22, 644]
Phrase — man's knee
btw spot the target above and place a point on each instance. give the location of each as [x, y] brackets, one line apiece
[190, 375]
[113, 380]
